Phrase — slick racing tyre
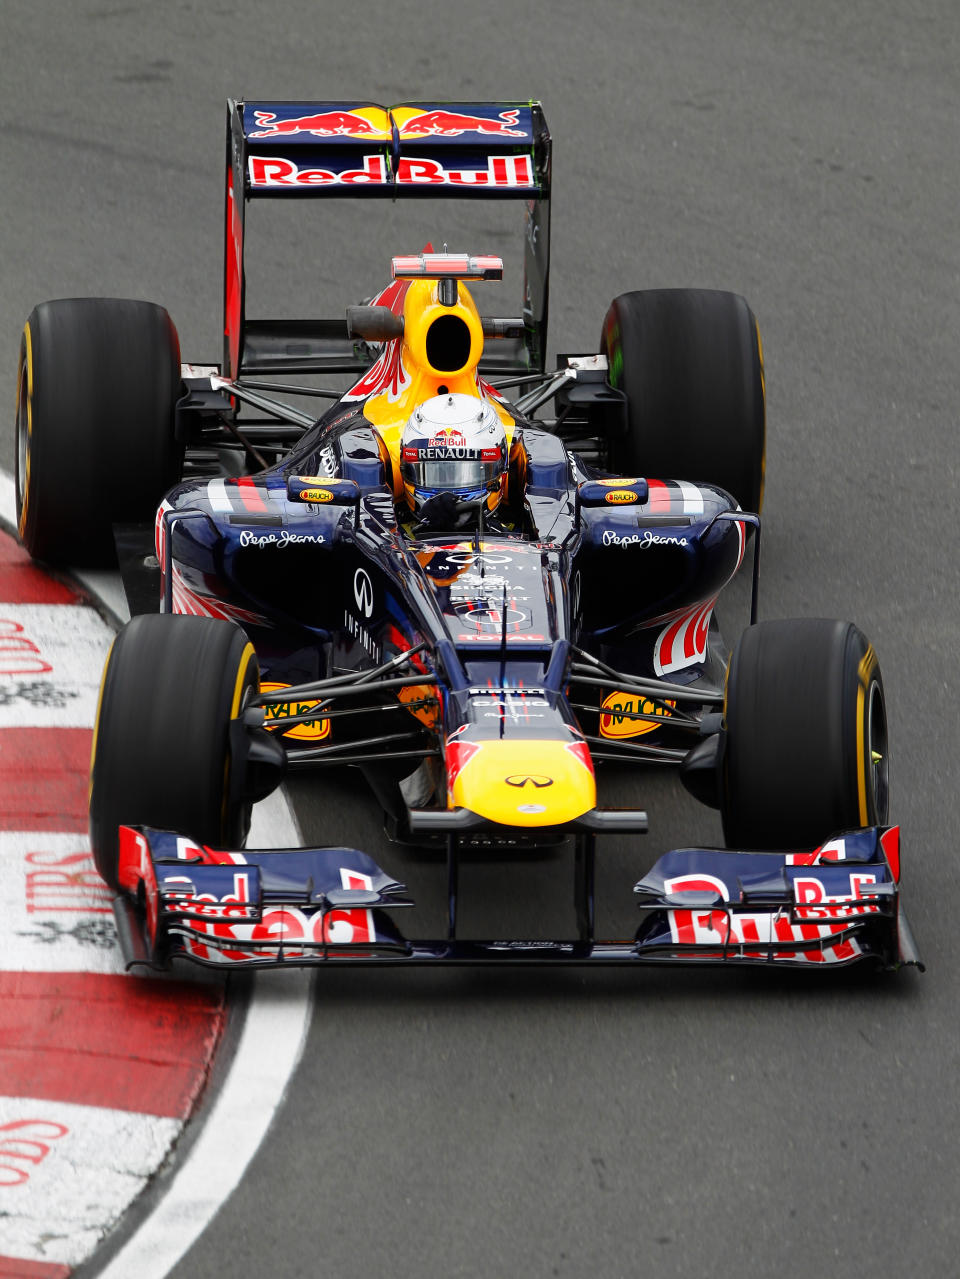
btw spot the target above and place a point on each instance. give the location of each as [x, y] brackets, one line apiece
[97, 383]
[691, 365]
[805, 751]
[161, 754]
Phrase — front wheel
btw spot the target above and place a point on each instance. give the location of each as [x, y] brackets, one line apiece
[171, 686]
[805, 735]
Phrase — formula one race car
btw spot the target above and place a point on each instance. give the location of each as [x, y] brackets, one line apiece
[472, 604]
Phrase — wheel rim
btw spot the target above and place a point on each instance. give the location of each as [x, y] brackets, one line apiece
[877, 760]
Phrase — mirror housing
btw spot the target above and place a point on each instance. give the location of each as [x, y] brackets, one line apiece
[373, 323]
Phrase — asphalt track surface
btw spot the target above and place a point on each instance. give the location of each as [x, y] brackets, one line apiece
[549, 1124]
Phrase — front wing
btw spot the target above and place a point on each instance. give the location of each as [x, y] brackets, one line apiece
[832, 907]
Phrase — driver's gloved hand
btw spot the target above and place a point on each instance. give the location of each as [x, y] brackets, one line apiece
[439, 512]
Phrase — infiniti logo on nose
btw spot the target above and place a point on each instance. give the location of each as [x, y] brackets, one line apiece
[363, 591]
[532, 779]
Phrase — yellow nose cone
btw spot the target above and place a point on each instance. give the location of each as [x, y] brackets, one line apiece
[527, 783]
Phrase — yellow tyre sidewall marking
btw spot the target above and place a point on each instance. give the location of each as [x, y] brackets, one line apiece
[24, 496]
[763, 391]
[865, 670]
[247, 656]
[96, 722]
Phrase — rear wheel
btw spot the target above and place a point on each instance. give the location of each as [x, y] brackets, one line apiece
[97, 383]
[691, 365]
[162, 756]
[806, 735]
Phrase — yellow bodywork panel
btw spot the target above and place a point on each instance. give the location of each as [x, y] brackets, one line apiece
[525, 783]
[422, 381]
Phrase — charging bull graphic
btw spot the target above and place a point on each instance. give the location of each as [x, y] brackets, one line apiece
[451, 124]
[326, 124]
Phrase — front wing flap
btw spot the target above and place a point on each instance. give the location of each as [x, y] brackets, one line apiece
[836, 905]
[832, 907]
[249, 909]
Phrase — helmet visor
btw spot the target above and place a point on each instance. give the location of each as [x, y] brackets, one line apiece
[456, 474]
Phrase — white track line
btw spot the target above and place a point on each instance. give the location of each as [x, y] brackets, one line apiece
[269, 1050]
[8, 499]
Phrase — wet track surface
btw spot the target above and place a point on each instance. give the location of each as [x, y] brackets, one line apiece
[564, 1123]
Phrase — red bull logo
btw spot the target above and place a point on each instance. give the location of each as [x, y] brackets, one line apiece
[513, 172]
[277, 171]
[448, 435]
[451, 124]
[325, 124]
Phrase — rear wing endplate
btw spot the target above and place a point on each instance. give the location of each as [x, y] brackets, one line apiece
[471, 150]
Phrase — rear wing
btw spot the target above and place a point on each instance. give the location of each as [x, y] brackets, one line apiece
[326, 150]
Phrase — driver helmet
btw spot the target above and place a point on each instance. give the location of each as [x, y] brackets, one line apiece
[454, 445]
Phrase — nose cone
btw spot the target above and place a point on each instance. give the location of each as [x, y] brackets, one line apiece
[526, 783]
